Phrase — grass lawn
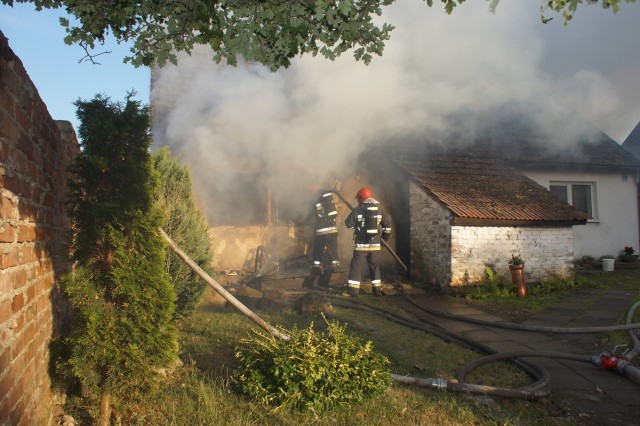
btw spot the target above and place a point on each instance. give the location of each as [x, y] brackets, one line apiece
[202, 392]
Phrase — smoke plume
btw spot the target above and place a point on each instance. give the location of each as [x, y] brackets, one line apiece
[311, 121]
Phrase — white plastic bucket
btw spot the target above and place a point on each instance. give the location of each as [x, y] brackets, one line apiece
[607, 264]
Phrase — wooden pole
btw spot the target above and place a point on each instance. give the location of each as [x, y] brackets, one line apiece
[224, 293]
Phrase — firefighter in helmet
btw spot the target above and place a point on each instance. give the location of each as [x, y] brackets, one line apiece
[326, 231]
[370, 224]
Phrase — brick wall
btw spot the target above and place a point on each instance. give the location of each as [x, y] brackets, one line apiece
[34, 151]
[447, 255]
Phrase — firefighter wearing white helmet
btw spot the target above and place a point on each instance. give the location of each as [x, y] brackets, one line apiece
[370, 224]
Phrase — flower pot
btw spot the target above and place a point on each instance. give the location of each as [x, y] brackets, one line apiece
[629, 258]
[607, 264]
[517, 277]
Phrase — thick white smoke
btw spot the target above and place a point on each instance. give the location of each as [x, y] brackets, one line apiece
[313, 119]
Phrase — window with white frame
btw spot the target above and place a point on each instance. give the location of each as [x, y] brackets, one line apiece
[580, 195]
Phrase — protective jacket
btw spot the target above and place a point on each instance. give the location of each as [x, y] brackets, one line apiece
[370, 223]
[326, 213]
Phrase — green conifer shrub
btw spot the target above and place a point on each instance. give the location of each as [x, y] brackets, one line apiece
[122, 301]
[186, 225]
[313, 370]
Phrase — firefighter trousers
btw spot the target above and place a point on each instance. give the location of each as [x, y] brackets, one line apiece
[330, 241]
[372, 258]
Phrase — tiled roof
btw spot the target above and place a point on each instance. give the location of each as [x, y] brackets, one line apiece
[598, 152]
[520, 141]
[480, 189]
[632, 142]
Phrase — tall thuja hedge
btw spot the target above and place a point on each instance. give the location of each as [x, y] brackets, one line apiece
[122, 300]
[186, 225]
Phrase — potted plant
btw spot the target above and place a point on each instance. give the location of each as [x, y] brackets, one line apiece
[587, 261]
[607, 262]
[516, 266]
[628, 254]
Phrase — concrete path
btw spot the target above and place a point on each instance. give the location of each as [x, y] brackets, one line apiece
[592, 395]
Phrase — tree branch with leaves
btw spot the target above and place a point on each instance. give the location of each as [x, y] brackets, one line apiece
[271, 32]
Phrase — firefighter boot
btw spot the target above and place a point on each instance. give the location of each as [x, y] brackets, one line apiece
[377, 291]
[354, 291]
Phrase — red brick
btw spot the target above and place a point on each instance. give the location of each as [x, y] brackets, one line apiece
[12, 183]
[31, 293]
[5, 311]
[6, 101]
[6, 149]
[19, 161]
[18, 412]
[48, 283]
[6, 281]
[26, 233]
[7, 233]
[27, 375]
[8, 126]
[7, 260]
[5, 407]
[43, 233]
[5, 361]
[27, 212]
[32, 313]
[6, 383]
[7, 208]
[29, 255]
[18, 355]
[42, 303]
[7, 334]
[19, 323]
[17, 303]
[19, 279]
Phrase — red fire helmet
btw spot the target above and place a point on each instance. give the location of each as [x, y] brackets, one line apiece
[364, 194]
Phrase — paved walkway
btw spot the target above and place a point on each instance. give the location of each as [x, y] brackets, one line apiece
[592, 395]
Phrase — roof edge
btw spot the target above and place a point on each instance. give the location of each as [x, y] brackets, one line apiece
[468, 221]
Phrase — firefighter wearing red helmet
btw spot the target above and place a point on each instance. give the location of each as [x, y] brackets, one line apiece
[326, 231]
[369, 223]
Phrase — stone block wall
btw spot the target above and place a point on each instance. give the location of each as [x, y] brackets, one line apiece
[34, 152]
[430, 238]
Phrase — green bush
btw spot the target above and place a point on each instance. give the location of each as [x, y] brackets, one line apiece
[313, 370]
[491, 289]
[551, 285]
[186, 225]
[122, 332]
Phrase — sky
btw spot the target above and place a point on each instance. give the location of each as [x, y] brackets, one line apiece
[38, 40]
[328, 112]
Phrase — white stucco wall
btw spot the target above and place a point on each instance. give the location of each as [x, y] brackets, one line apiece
[616, 225]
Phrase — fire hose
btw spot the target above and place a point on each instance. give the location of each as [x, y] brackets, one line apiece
[607, 360]
[540, 388]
